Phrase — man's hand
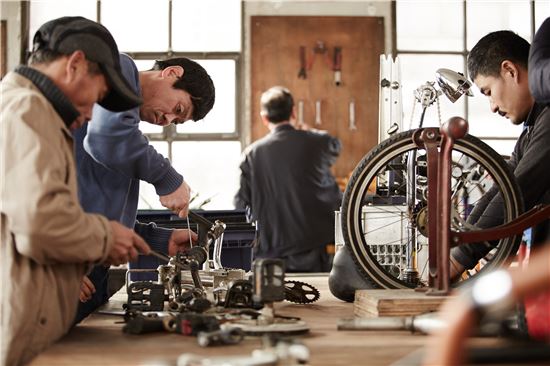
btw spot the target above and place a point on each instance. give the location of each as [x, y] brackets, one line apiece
[87, 289]
[127, 245]
[179, 241]
[178, 201]
[302, 126]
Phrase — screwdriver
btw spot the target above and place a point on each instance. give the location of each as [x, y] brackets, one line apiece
[164, 257]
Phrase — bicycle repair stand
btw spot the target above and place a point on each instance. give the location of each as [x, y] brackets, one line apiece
[439, 209]
[390, 115]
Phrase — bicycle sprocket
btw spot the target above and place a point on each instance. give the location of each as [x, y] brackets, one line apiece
[300, 292]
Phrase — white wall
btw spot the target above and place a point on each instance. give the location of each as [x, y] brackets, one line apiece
[300, 8]
[11, 12]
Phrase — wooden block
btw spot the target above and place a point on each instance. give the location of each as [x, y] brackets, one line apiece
[401, 302]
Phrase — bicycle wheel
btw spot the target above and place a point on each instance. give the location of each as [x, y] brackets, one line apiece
[384, 208]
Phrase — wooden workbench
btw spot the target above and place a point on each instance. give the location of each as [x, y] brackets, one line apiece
[99, 340]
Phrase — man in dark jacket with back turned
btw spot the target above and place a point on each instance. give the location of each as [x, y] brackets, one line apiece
[287, 185]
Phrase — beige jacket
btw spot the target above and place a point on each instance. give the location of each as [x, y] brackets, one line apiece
[47, 241]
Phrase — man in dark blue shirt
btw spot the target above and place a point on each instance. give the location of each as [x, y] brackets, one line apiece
[113, 156]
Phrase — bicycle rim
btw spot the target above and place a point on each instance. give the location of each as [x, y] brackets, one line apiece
[377, 221]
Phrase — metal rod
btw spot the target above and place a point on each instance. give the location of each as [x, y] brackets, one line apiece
[515, 227]
[160, 255]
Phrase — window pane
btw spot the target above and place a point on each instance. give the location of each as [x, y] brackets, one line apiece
[206, 25]
[211, 169]
[148, 198]
[137, 25]
[146, 127]
[542, 11]
[221, 118]
[489, 16]
[43, 10]
[429, 25]
[416, 70]
[503, 147]
[143, 65]
[485, 123]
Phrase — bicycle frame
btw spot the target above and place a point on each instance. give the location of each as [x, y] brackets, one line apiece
[439, 209]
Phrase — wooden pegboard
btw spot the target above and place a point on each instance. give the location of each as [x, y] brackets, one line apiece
[275, 60]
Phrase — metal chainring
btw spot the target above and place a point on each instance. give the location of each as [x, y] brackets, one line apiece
[300, 292]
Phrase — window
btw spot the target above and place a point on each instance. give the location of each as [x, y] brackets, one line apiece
[433, 34]
[222, 118]
[418, 69]
[145, 26]
[43, 10]
[484, 17]
[429, 25]
[197, 25]
[206, 152]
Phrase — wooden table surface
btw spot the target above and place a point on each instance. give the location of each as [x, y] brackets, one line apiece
[99, 340]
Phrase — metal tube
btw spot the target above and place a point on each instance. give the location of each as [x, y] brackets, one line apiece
[381, 323]
[160, 255]
[411, 203]
[424, 323]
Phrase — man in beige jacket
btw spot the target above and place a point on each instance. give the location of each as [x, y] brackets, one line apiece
[47, 242]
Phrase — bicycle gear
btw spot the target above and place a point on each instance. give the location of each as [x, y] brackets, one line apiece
[300, 292]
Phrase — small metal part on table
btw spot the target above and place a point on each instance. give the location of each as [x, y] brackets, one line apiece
[300, 292]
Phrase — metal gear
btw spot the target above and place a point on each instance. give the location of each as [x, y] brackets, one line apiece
[300, 292]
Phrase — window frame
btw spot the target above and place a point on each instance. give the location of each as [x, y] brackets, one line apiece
[464, 52]
[169, 133]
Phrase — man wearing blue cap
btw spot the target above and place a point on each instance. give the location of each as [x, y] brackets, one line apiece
[47, 241]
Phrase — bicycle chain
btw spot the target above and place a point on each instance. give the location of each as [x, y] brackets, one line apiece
[300, 292]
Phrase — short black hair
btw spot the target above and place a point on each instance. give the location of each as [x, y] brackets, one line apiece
[276, 104]
[490, 51]
[195, 81]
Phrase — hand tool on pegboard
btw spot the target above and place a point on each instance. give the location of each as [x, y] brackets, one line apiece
[337, 65]
[303, 64]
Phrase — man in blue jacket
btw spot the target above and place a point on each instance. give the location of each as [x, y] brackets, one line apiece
[112, 157]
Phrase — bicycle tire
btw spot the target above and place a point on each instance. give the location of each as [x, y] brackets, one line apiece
[368, 169]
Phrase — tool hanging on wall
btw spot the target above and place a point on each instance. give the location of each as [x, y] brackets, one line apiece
[319, 49]
[337, 65]
[301, 113]
[318, 112]
[307, 64]
[302, 73]
[352, 125]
